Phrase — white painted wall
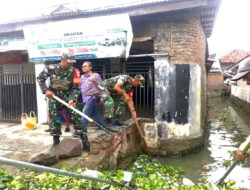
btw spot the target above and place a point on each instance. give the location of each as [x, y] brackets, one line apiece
[240, 92]
[194, 111]
[193, 128]
[41, 101]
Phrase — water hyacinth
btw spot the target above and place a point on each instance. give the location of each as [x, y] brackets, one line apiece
[145, 176]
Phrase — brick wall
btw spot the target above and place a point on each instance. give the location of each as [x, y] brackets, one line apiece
[215, 83]
[182, 37]
[188, 42]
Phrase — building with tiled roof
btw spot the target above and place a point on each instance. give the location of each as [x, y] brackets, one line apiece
[168, 46]
[234, 56]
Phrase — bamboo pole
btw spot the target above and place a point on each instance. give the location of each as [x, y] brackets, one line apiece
[233, 165]
[40, 168]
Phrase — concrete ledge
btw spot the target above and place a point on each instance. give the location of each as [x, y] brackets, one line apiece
[241, 103]
[214, 94]
[111, 152]
[114, 152]
[179, 146]
[17, 142]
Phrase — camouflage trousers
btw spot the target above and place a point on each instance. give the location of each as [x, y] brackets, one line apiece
[55, 111]
[114, 104]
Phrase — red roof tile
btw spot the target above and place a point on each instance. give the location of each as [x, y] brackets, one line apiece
[234, 56]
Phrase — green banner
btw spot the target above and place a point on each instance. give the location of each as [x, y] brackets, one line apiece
[49, 46]
[76, 44]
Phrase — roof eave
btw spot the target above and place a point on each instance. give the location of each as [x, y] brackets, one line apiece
[133, 11]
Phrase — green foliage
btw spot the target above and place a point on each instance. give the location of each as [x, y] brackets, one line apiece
[232, 154]
[226, 163]
[225, 116]
[146, 176]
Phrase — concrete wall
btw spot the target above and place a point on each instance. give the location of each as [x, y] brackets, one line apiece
[241, 92]
[178, 116]
[240, 95]
[215, 83]
[183, 38]
[177, 98]
[41, 101]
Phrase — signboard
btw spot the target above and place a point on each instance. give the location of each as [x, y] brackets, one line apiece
[11, 43]
[97, 37]
[10, 57]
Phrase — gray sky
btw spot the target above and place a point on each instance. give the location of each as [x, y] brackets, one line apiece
[231, 30]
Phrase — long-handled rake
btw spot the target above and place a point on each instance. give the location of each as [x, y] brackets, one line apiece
[85, 116]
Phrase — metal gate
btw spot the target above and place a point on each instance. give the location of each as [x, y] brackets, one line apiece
[17, 91]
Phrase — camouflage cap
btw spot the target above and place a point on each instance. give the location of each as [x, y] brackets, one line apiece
[69, 57]
[140, 80]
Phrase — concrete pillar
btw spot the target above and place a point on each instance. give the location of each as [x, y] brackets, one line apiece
[41, 101]
[177, 125]
[164, 90]
[177, 96]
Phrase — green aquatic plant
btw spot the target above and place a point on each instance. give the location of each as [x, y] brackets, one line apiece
[225, 116]
[145, 176]
[226, 163]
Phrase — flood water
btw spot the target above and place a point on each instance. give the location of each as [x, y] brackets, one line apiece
[227, 127]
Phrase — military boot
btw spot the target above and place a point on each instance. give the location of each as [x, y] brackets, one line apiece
[56, 140]
[47, 130]
[108, 122]
[85, 141]
[116, 122]
[67, 129]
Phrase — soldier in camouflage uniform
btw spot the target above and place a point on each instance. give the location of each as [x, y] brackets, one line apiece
[63, 85]
[116, 92]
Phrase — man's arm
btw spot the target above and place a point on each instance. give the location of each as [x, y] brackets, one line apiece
[131, 106]
[98, 79]
[41, 79]
[239, 153]
[120, 91]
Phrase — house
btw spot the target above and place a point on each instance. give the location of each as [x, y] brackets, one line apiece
[209, 62]
[229, 64]
[232, 58]
[168, 47]
[240, 90]
[215, 78]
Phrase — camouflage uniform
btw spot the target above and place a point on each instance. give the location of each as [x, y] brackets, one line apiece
[61, 83]
[114, 103]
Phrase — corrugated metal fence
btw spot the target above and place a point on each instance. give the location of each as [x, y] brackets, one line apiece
[17, 91]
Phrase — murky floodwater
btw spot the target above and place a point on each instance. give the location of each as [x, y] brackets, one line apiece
[227, 127]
